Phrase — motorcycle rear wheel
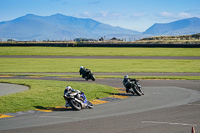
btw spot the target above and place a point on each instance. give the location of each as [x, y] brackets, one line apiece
[93, 78]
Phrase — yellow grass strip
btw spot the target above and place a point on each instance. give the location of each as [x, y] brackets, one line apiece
[118, 96]
[119, 88]
[95, 102]
[42, 110]
[5, 116]
[34, 76]
[122, 91]
[60, 107]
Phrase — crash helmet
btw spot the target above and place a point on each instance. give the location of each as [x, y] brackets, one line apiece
[126, 76]
[68, 88]
[81, 67]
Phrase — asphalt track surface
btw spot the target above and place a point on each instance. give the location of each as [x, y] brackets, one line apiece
[6, 89]
[169, 106]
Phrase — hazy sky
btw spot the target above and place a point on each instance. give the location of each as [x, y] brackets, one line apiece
[132, 14]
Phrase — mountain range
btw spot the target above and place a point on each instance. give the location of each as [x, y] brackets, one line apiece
[57, 27]
[61, 27]
[181, 27]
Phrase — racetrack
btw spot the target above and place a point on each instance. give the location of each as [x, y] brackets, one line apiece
[166, 106]
[169, 106]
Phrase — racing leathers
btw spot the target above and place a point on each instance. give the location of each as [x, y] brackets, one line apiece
[84, 72]
[127, 83]
[80, 95]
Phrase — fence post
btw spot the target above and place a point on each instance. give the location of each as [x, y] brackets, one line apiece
[193, 130]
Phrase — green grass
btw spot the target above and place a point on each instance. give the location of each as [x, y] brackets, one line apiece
[97, 65]
[46, 94]
[97, 51]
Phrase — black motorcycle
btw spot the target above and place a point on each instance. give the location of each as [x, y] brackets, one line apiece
[87, 74]
[134, 87]
[90, 76]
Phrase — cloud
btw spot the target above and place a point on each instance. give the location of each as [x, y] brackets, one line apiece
[184, 15]
[86, 14]
[103, 14]
[108, 15]
[168, 15]
[100, 15]
[138, 15]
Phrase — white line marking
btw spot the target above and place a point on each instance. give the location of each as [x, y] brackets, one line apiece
[169, 123]
[194, 104]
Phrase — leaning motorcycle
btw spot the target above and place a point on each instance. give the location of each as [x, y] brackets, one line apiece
[90, 75]
[134, 87]
[78, 101]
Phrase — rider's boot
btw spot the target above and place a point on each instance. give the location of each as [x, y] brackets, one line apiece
[67, 105]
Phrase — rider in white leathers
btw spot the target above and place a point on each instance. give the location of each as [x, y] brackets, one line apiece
[69, 89]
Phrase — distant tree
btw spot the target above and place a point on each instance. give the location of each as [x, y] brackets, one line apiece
[101, 39]
[10, 40]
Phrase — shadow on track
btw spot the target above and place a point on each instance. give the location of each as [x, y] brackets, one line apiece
[121, 94]
[54, 108]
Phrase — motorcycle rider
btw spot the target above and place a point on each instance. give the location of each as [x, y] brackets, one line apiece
[80, 95]
[127, 83]
[84, 71]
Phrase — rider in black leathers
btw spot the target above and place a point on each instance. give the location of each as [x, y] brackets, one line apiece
[84, 71]
[127, 83]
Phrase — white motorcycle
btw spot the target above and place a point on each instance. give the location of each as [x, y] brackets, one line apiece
[77, 101]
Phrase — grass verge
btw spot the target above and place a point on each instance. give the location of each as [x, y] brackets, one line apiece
[47, 93]
[99, 51]
[97, 65]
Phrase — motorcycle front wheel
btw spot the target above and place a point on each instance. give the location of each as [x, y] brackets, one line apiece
[93, 78]
[90, 105]
[75, 105]
[136, 89]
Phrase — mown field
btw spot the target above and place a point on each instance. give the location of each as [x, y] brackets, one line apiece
[97, 65]
[97, 51]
